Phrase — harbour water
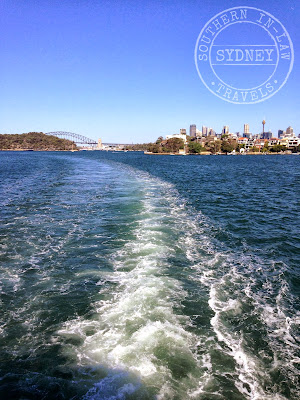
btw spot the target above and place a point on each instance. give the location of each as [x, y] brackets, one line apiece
[126, 276]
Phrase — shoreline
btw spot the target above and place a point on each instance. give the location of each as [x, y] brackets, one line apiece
[222, 154]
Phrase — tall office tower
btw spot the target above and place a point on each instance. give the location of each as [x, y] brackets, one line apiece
[225, 130]
[289, 132]
[204, 131]
[211, 132]
[182, 131]
[268, 135]
[193, 130]
[246, 128]
[280, 133]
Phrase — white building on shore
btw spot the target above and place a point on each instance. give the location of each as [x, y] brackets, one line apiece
[178, 136]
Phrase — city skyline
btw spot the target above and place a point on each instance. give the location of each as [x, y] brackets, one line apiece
[95, 69]
[206, 131]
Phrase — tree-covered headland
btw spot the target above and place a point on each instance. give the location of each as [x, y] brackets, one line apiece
[35, 141]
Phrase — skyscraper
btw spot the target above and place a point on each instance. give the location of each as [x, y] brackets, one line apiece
[225, 130]
[289, 132]
[246, 128]
[280, 133]
[193, 130]
[204, 130]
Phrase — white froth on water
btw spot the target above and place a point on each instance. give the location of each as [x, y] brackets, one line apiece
[135, 335]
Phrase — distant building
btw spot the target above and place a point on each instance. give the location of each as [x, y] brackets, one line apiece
[193, 130]
[211, 132]
[246, 128]
[182, 131]
[225, 130]
[267, 135]
[281, 133]
[204, 131]
[178, 136]
[198, 133]
[100, 146]
[247, 135]
[290, 132]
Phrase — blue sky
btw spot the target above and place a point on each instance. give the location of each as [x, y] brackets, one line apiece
[124, 70]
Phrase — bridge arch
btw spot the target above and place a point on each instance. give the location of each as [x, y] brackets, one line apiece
[74, 137]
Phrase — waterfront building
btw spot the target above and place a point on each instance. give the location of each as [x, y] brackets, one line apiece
[193, 130]
[273, 141]
[243, 140]
[260, 143]
[283, 141]
[204, 130]
[293, 142]
[178, 136]
[250, 143]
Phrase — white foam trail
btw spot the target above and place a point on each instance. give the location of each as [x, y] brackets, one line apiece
[135, 329]
[137, 321]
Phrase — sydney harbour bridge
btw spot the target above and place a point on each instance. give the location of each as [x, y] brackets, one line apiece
[74, 137]
[86, 142]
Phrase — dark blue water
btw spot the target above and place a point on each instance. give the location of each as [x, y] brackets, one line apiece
[126, 276]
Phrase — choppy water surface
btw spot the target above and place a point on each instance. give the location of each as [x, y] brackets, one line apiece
[125, 276]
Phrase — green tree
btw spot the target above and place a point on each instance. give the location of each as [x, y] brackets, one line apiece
[173, 145]
[214, 146]
[226, 147]
[154, 148]
[277, 148]
[195, 148]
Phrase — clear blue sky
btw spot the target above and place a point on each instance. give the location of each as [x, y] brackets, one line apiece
[124, 70]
